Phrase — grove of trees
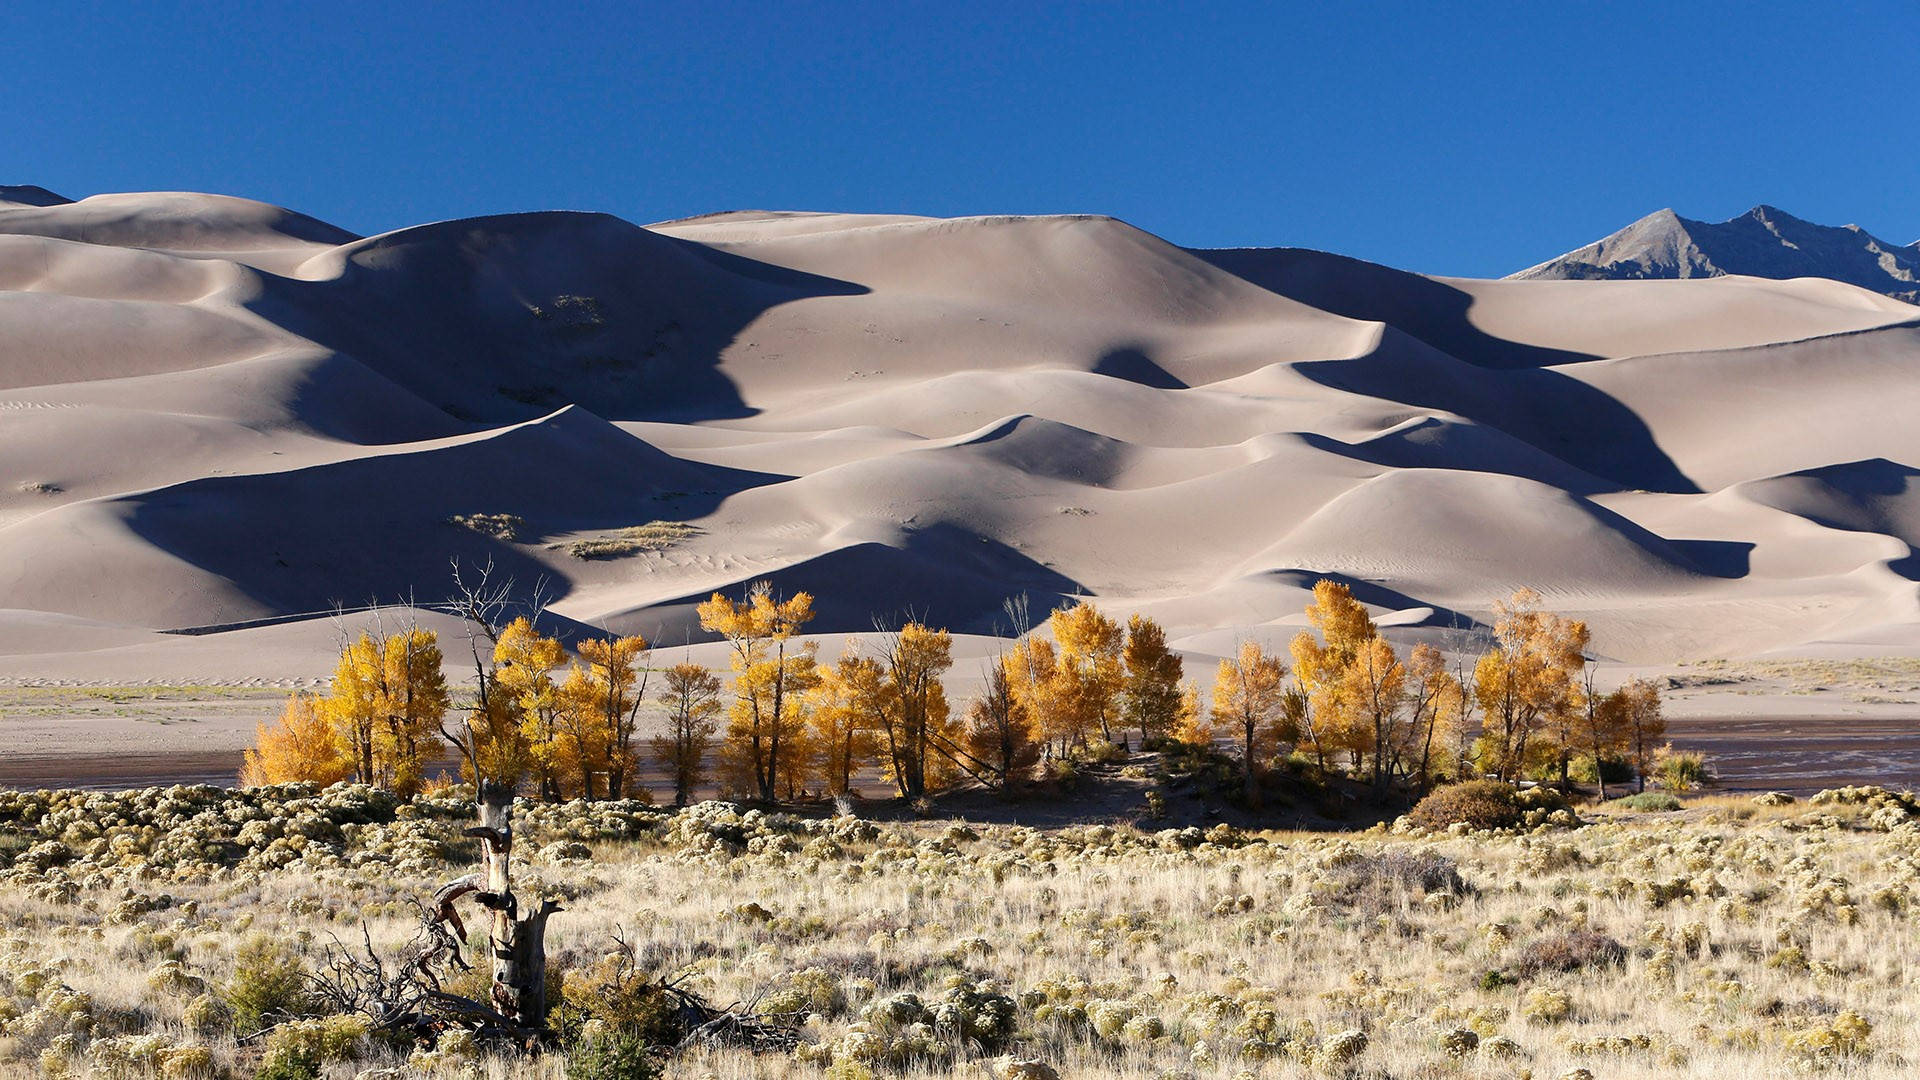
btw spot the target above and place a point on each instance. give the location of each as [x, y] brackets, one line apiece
[787, 726]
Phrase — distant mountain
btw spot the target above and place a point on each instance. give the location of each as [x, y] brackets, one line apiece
[1763, 242]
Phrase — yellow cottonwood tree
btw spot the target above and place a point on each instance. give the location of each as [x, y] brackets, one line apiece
[415, 699]
[1339, 716]
[387, 699]
[916, 729]
[492, 746]
[600, 705]
[1033, 672]
[998, 731]
[355, 703]
[524, 661]
[691, 695]
[1436, 702]
[1376, 682]
[1247, 697]
[1090, 668]
[1642, 725]
[1526, 682]
[301, 746]
[848, 708]
[1194, 722]
[769, 677]
[1152, 684]
[803, 756]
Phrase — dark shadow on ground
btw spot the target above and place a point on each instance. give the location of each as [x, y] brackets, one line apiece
[505, 318]
[1440, 360]
[1718, 558]
[1419, 306]
[1375, 595]
[1135, 366]
[378, 529]
[958, 580]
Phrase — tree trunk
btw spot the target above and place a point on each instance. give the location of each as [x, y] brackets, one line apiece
[518, 942]
[1426, 749]
[1639, 757]
[1246, 756]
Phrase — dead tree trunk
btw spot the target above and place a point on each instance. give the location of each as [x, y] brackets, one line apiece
[517, 940]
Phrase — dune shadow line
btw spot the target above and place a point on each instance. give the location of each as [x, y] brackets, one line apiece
[501, 319]
[1519, 392]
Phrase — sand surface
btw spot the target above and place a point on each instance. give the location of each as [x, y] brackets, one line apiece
[220, 420]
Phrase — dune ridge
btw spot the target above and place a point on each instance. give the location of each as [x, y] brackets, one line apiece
[218, 413]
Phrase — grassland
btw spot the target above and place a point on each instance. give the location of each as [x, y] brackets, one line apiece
[1731, 938]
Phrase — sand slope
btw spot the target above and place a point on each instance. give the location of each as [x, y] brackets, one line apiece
[220, 416]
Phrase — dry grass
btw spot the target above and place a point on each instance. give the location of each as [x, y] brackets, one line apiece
[653, 536]
[508, 527]
[1872, 680]
[1774, 945]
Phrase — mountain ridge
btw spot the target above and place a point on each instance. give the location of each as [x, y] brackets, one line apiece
[1764, 242]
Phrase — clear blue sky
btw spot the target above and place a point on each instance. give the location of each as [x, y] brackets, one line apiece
[1464, 138]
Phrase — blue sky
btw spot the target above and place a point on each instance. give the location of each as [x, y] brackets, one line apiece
[1462, 138]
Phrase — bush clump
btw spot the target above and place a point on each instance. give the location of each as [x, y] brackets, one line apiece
[303, 1048]
[1611, 769]
[1648, 800]
[1573, 950]
[1373, 885]
[1480, 805]
[611, 1006]
[1680, 770]
[604, 1053]
[269, 986]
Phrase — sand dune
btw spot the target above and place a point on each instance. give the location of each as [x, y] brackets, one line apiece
[222, 416]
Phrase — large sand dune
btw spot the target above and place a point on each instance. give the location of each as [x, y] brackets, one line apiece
[219, 416]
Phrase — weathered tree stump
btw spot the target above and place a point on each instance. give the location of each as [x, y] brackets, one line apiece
[517, 939]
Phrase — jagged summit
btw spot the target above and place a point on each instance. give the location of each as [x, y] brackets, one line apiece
[1764, 242]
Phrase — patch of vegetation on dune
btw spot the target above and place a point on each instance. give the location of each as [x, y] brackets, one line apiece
[653, 536]
[508, 527]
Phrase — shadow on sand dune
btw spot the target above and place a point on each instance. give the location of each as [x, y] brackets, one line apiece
[1730, 559]
[1375, 595]
[1519, 393]
[1133, 365]
[956, 579]
[1421, 307]
[501, 319]
[381, 527]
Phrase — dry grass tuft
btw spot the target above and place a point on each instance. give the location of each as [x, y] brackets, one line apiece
[508, 527]
[653, 536]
